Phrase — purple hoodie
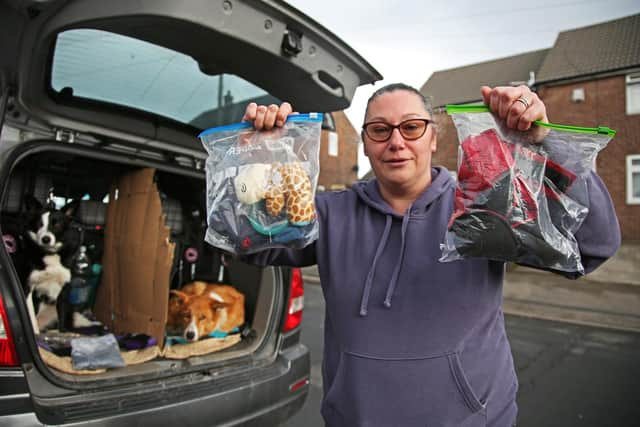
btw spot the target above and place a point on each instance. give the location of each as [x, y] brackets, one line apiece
[411, 341]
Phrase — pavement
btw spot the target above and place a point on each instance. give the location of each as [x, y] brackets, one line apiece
[609, 297]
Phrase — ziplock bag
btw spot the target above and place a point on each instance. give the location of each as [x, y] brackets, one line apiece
[96, 352]
[261, 184]
[517, 200]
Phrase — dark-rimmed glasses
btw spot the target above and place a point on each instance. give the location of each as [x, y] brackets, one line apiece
[411, 129]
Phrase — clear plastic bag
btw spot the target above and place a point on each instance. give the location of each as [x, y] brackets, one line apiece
[517, 200]
[261, 184]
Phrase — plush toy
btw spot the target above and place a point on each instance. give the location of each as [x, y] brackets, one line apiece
[282, 186]
[290, 187]
[251, 182]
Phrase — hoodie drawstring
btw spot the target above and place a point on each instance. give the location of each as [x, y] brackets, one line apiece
[367, 285]
[396, 272]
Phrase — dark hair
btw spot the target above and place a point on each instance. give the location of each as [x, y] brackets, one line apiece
[399, 86]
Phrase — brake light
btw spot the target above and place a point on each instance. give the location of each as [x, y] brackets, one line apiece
[299, 384]
[296, 301]
[7, 348]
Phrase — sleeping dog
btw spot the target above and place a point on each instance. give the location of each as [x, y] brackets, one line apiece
[199, 308]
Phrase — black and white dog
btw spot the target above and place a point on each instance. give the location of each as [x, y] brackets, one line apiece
[50, 244]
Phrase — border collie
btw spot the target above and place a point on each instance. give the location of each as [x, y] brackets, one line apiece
[50, 246]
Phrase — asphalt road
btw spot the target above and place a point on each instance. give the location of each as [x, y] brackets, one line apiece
[570, 375]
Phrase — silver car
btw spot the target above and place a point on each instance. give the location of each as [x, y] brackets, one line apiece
[91, 90]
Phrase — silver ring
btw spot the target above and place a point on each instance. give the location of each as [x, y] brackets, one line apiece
[524, 101]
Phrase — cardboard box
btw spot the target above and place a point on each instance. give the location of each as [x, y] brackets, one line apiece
[134, 292]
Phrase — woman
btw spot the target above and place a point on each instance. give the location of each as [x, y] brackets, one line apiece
[410, 341]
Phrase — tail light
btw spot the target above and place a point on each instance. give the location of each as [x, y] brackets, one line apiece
[296, 301]
[7, 348]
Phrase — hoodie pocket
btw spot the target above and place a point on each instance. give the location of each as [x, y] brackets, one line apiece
[424, 391]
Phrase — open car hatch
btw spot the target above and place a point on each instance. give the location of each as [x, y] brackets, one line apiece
[76, 65]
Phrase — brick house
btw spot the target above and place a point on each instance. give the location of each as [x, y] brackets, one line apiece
[338, 152]
[590, 77]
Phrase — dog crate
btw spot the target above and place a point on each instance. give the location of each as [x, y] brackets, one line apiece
[59, 173]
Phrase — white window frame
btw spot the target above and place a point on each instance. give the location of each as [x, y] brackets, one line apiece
[632, 81]
[631, 170]
[333, 146]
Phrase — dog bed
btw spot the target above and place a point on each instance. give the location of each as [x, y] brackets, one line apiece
[199, 348]
[64, 364]
[134, 357]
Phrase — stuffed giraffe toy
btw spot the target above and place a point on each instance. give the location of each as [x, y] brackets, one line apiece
[290, 187]
[282, 186]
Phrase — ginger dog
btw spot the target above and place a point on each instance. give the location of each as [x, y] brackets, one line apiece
[199, 308]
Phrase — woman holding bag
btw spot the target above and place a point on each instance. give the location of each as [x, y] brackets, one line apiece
[411, 341]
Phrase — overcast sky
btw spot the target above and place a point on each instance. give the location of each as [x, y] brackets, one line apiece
[406, 41]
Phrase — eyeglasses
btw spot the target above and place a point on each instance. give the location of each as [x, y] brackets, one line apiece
[411, 129]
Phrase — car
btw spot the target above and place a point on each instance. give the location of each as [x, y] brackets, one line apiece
[93, 93]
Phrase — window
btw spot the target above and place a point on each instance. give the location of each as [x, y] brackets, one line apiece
[633, 93]
[333, 144]
[116, 69]
[633, 179]
[328, 122]
[577, 95]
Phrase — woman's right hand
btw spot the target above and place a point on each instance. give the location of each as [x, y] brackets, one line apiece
[267, 117]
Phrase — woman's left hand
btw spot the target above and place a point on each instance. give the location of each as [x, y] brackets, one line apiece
[519, 107]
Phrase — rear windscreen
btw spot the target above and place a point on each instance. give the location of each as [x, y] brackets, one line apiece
[116, 69]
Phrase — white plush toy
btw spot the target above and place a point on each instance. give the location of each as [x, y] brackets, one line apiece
[251, 182]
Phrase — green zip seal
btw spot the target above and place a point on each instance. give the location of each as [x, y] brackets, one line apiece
[602, 130]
